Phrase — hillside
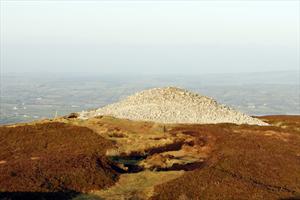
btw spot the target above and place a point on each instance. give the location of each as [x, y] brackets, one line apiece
[110, 158]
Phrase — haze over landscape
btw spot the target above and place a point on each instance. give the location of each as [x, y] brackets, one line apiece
[31, 97]
[149, 37]
[149, 100]
[89, 54]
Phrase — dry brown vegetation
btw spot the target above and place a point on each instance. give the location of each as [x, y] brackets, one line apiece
[248, 162]
[290, 122]
[52, 157]
[175, 161]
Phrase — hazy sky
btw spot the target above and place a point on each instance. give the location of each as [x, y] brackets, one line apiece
[149, 37]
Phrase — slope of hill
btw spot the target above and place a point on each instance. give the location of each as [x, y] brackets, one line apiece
[110, 158]
[53, 157]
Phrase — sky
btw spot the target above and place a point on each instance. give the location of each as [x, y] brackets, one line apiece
[149, 37]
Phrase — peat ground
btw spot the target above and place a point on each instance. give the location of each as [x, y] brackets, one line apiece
[67, 157]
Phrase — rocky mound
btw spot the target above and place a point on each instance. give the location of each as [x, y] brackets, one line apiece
[172, 105]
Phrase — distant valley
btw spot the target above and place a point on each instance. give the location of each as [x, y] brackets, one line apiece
[26, 98]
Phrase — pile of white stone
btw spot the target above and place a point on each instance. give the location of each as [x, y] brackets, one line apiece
[172, 105]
